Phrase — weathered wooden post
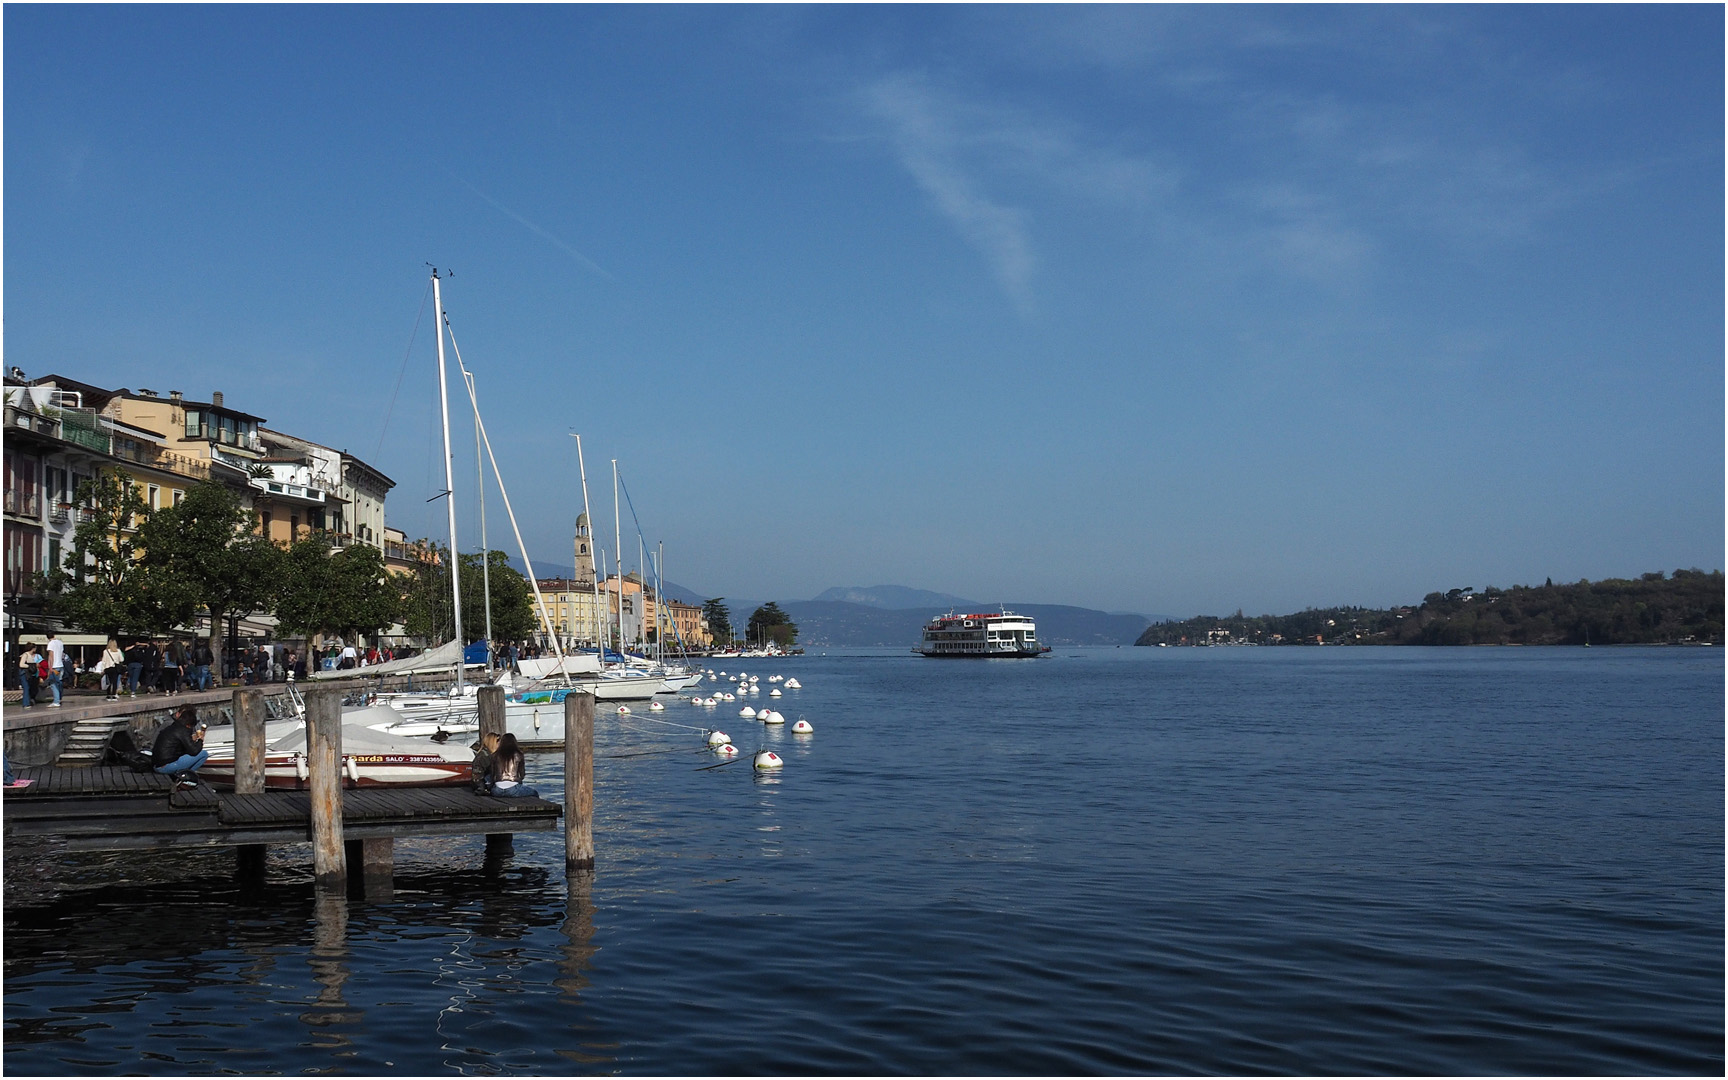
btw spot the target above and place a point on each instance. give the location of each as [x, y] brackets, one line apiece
[249, 859]
[324, 781]
[579, 781]
[498, 845]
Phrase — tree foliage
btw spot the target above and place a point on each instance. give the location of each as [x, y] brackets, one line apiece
[205, 544]
[719, 619]
[769, 623]
[1657, 608]
[427, 610]
[100, 586]
[346, 592]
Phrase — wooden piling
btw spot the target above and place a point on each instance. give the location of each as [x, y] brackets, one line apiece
[249, 859]
[498, 845]
[324, 782]
[376, 859]
[491, 710]
[579, 781]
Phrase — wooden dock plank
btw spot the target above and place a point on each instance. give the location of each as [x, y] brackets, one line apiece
[109, 808]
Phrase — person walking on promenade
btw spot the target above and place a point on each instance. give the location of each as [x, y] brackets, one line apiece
[152, 675]
[29, 674]
[56, 661]
[173, 657]
[202, 658]
[113, 669]
[179, 751]
[134, 666]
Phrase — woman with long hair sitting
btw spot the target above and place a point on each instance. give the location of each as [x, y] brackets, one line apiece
[508, 766]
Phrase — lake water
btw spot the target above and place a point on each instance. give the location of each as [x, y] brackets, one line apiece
[1113, 860]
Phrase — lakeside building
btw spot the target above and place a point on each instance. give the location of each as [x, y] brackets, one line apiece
[61, 432]
[573, 609]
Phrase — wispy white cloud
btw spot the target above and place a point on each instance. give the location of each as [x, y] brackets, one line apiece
[931, 147]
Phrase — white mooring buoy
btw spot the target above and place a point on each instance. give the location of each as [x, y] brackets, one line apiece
[768, 759]
[623, 710]
[747, 713]
[793, 684]
[726, 751]
[769, 716]
[774, 692]
[802, 727]
[655, 706]
[718, 738]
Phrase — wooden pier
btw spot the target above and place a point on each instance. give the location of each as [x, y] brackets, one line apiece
[108, 808]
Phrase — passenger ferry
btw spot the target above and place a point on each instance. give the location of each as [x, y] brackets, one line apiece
[998, 634]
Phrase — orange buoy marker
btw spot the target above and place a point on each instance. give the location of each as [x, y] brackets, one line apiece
[768, 759]
[802, 727]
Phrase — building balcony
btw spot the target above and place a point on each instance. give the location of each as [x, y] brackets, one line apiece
[30, 420]
[24, 503]
[60, 513]
[296, 492]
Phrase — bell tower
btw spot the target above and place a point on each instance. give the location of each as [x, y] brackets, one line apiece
[584, 575]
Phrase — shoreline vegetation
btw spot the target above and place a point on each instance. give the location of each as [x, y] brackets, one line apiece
[1684, 608]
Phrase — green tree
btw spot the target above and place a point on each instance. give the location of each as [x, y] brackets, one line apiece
[427, 610]
[345, 592]
[205, 544]
[769, 623]
[719, 619]
[514, 616]
[101, 586]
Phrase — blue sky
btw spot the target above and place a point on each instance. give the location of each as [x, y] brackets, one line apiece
[1172, 310]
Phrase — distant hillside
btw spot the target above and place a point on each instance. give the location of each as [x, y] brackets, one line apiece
[893, 597]
[837, 622]
[1655, 609]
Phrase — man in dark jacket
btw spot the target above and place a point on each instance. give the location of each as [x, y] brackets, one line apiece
[179, 749]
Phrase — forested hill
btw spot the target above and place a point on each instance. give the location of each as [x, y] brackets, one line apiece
[1686, 607]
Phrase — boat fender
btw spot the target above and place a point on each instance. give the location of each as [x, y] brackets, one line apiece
[768, 759]
[802, 727]
[352, 768]
[300, 771]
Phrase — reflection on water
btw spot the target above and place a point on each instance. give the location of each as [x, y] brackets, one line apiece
[1217, 861]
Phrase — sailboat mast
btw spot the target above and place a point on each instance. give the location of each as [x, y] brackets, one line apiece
[449, 485]
[618, 553]
[480, 493]
[593, 558]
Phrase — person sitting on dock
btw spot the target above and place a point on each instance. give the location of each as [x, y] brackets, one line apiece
[179, 749]
[508, 765]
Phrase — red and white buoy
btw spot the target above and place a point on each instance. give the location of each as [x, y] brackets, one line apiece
[802, 727]
[718, 738]
[768, 759]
